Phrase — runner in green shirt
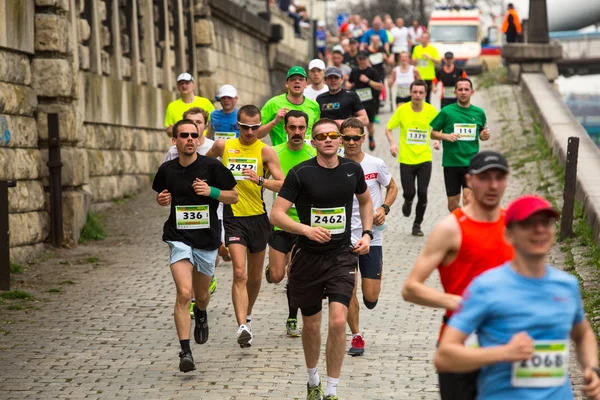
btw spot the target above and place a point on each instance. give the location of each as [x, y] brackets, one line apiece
[293, 99]
[290, 153]
[414, 119]
[460, 126]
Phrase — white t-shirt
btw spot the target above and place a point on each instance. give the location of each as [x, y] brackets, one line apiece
[312, 93]
[376, 176]
[400, 36]
[415, 34]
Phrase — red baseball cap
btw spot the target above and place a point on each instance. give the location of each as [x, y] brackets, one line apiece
[525, 206]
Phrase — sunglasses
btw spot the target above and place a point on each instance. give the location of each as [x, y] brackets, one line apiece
[185, 135]
[348, 138]
[324, 135]
[248, 127]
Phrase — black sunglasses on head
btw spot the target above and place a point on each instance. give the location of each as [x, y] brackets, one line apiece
[185, 135]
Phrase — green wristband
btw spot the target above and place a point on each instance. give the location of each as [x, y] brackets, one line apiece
[214, 192]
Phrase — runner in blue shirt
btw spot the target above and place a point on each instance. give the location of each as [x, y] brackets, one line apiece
[523, 314]
[223, 123]
[377, 29]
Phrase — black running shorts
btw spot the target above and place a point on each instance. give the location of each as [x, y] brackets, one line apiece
[454, 177]
[252, 232]
[370, 264]
[282, 241]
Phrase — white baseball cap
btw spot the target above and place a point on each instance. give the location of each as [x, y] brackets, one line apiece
[185, 77]
[321, 23]
[226, 91]
[316, 63]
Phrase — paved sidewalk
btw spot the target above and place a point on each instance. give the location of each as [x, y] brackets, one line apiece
[112, 334]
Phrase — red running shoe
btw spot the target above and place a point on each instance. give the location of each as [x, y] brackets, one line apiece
[358, 346]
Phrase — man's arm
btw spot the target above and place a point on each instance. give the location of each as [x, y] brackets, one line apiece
[449, 137]
[376, 85]
[587, 354]
[217, 149]
[268, 127]
[443, 241]
[272, 161]
[362, 116]
[280, 219]
[210, 132]
[391, 192]
[365, 208]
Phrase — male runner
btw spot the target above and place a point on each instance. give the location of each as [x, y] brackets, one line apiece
[316, 73]
[290, 154]
[460, 126]
[371, 264]
[414, 156]
[426, 57]
[246, 223]
[350, 57]
[379, 30]
[223, 123]
[367, 85]
[525, 313]
[448, 75]
[337, 60]
[186, 100]
[324, 260]
[339, 104]
[293, 99]
[464, 244]
[193, 186]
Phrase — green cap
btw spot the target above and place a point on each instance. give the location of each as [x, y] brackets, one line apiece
[296, 70]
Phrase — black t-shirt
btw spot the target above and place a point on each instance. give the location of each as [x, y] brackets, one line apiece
[342, 105]
[325, 196]
[351, 61]
[370, 73]
[178, 180]
[449, 79]
[379, 67]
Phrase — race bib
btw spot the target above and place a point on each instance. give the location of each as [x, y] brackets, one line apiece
[376, 58]
[403, 91]
[332, 219]
[341, 151]
[364, 94]
[225, 135]
[546, 368]
[472, 341]
[321, 43]
[422, 62]
[416, 136]
[449, 92]
[236, 165]
[357, 32]
[192, 217]
[466, 132]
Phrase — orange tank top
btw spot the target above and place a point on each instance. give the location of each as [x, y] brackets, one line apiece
[482, 247]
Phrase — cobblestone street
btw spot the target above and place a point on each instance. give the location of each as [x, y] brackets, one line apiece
[112, 333]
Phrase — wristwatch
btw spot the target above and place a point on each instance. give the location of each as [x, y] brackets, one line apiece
[386, 208]
[368, 232]
[261, 180]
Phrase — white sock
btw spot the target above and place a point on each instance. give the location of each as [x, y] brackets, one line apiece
[331, 386]
[248, 318]
[313, 377]
[355, 335]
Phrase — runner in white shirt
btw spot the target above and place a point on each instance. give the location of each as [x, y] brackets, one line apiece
[414, 34]
[371, 264]
[400, 35]
[316, 74]
[401, 77]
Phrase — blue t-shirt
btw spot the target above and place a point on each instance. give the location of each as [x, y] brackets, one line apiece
[366, 38]
[321, 40]
[500, 303]
[222, 122]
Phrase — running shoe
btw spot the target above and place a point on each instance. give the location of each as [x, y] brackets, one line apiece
[268, 274]
[201, 328]
[224, 253]
[371, 143]
[213, 285]
[244, 337]
[291, 327]
[358, 346]
[186, 362]
[249, 324]
[416, 230]
[376, 120]
[331, 397]
[192, 303]
[314, 392]
[406, 208]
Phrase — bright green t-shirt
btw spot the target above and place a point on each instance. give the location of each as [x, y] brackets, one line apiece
[288, 159]
[425, 66]
[176, 108]
[269, 111]
[414, 132]
[468, 123]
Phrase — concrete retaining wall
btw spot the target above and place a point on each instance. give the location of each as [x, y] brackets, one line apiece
[558, 125]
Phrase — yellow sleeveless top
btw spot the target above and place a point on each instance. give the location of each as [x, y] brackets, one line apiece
[236, 157]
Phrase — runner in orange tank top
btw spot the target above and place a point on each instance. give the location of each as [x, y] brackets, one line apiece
[464, 244]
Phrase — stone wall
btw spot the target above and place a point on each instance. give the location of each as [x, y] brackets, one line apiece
[108, 69]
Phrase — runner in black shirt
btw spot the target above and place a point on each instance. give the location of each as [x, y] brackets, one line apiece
[324, 261]
[339, 104]
[193, 185]
[448, 75]
[350, 57]
[368, 86]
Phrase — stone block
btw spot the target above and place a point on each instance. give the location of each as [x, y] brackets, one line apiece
[531, 52]
[66, 122]
[207, 60]
[514, 72]
[84, 57]
[531, 67]
[125, 44]
[109, 188]
[125, 67]
[20, 164]
[23, 254]
[62, 5]
[101, 10]
[52, 77]
[18, 131]
[17, 99]
[28, 228]
[550, 70]
[83, 29]
[106, 36]
[75, 206]
[201, 8]
[105, 58]
[75, 169]
[51, 33]
[15, 68]
[205, 32]
[26, 196]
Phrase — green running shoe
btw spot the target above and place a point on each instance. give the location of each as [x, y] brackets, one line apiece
[192, 303]
[291, 327]
[213, 285]
[331, 397]
[315, 392]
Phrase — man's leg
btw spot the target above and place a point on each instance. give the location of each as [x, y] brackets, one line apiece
[353, 311]
[311, 344]
[182, 275]
[201, 283]
[277, 263]
[452, 179]
[423, 178]
[407, 180]
[239, 293]
[255, 269]
[336, 344]
[429, 88]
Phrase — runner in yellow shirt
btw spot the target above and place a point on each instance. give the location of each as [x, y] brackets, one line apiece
[426, 57]
[414, 156]
[186, 100]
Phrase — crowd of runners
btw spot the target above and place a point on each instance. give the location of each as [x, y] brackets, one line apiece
[510, 317]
